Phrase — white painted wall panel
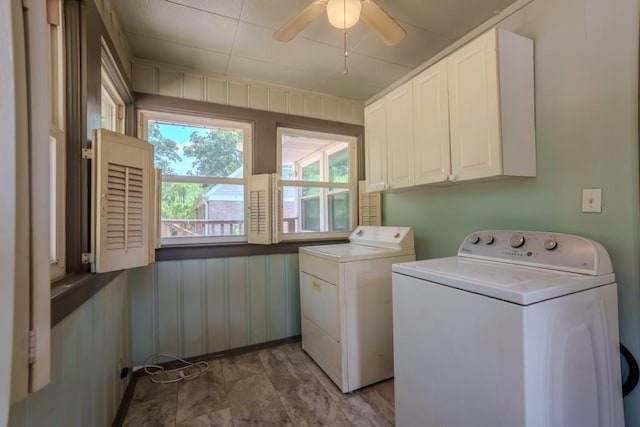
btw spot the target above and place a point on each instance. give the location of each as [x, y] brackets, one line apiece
[258, 97]
[145, 78]
[238, 94]
[278, 100]
[170, 83]
[217, 91]
[312, 106]
[329, 109]
[194, 87]
[296, 104]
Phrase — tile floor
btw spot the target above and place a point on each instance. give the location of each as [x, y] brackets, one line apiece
[279, 386]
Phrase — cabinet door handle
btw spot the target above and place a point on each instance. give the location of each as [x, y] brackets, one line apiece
[316, 286]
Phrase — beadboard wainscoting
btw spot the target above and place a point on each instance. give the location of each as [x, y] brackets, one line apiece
[194, 307]
[88, 350]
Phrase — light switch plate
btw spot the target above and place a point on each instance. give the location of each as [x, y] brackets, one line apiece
[592, 200]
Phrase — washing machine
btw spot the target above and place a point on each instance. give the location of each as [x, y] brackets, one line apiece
[520, 329]
[345, 304]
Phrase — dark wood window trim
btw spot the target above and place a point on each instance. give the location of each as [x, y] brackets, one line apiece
[264, 149]
[73, 290]
[84, 35]
[266, 124]
[226, 250]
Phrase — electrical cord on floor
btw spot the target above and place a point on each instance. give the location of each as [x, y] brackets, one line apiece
[634, 372]
[160, 375]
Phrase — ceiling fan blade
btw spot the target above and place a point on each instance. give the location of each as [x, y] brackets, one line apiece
[384, 26]
[291, 29]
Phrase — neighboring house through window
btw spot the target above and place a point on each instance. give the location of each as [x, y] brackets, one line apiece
[204, 163]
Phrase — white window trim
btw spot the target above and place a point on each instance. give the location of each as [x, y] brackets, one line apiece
[57, 253]
[144, 116]
[114, 99]
[57, 205]
[352, 185]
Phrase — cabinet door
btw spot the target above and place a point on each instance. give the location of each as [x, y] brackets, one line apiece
[431, 125]
[400, 136]
[375, 134]
[474, 110]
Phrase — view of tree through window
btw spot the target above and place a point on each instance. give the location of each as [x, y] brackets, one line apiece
[193, 159]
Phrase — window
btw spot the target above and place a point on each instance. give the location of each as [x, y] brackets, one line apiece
[318, 184]
[112, 105]
[204, 165]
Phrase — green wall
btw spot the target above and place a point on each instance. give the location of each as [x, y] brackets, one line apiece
[586, 78]
[200, 306]
[88, 350]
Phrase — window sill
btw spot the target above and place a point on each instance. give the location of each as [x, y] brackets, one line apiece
[181, 252]
[73, 290]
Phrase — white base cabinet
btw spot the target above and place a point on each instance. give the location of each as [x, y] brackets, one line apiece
[468, 117]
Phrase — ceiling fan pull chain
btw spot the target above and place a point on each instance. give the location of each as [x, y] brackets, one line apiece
[345, 70]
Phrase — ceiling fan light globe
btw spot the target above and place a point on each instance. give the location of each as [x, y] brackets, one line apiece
[343, 14]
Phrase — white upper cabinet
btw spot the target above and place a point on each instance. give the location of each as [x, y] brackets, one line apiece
[400, 137]
[375, 130]
[389, 140]
[431, 125]
[491, 107]
[468, 117]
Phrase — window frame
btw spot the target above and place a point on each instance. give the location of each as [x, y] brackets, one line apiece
[57, 148]
[324, 186]
[111, 96]
[144, 116]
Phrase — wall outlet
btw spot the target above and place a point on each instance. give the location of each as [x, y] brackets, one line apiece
[592, 200]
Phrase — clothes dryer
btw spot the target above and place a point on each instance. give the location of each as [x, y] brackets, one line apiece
[345, 293]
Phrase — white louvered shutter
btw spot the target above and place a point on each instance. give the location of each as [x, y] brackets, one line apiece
[260, 202]
[121, 199]
[155, 203]
[279, 206]
[369, 206]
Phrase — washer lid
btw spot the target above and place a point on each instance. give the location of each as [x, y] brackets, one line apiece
[346, 252]
[513, 283]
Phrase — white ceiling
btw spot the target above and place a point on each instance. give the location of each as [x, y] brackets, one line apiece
[233, 38]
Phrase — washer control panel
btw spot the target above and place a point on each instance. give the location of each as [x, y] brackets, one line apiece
[539, 249]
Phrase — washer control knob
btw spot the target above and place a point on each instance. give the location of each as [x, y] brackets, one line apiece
[550, 244]
[488, 240]
[360, 232]
[474, 239]
[516, 240]
[396, 235]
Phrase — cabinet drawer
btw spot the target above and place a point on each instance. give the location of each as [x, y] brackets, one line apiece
[319, 267]
[319, 303]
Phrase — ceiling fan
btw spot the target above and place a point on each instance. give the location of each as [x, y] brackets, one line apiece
[344, 14]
